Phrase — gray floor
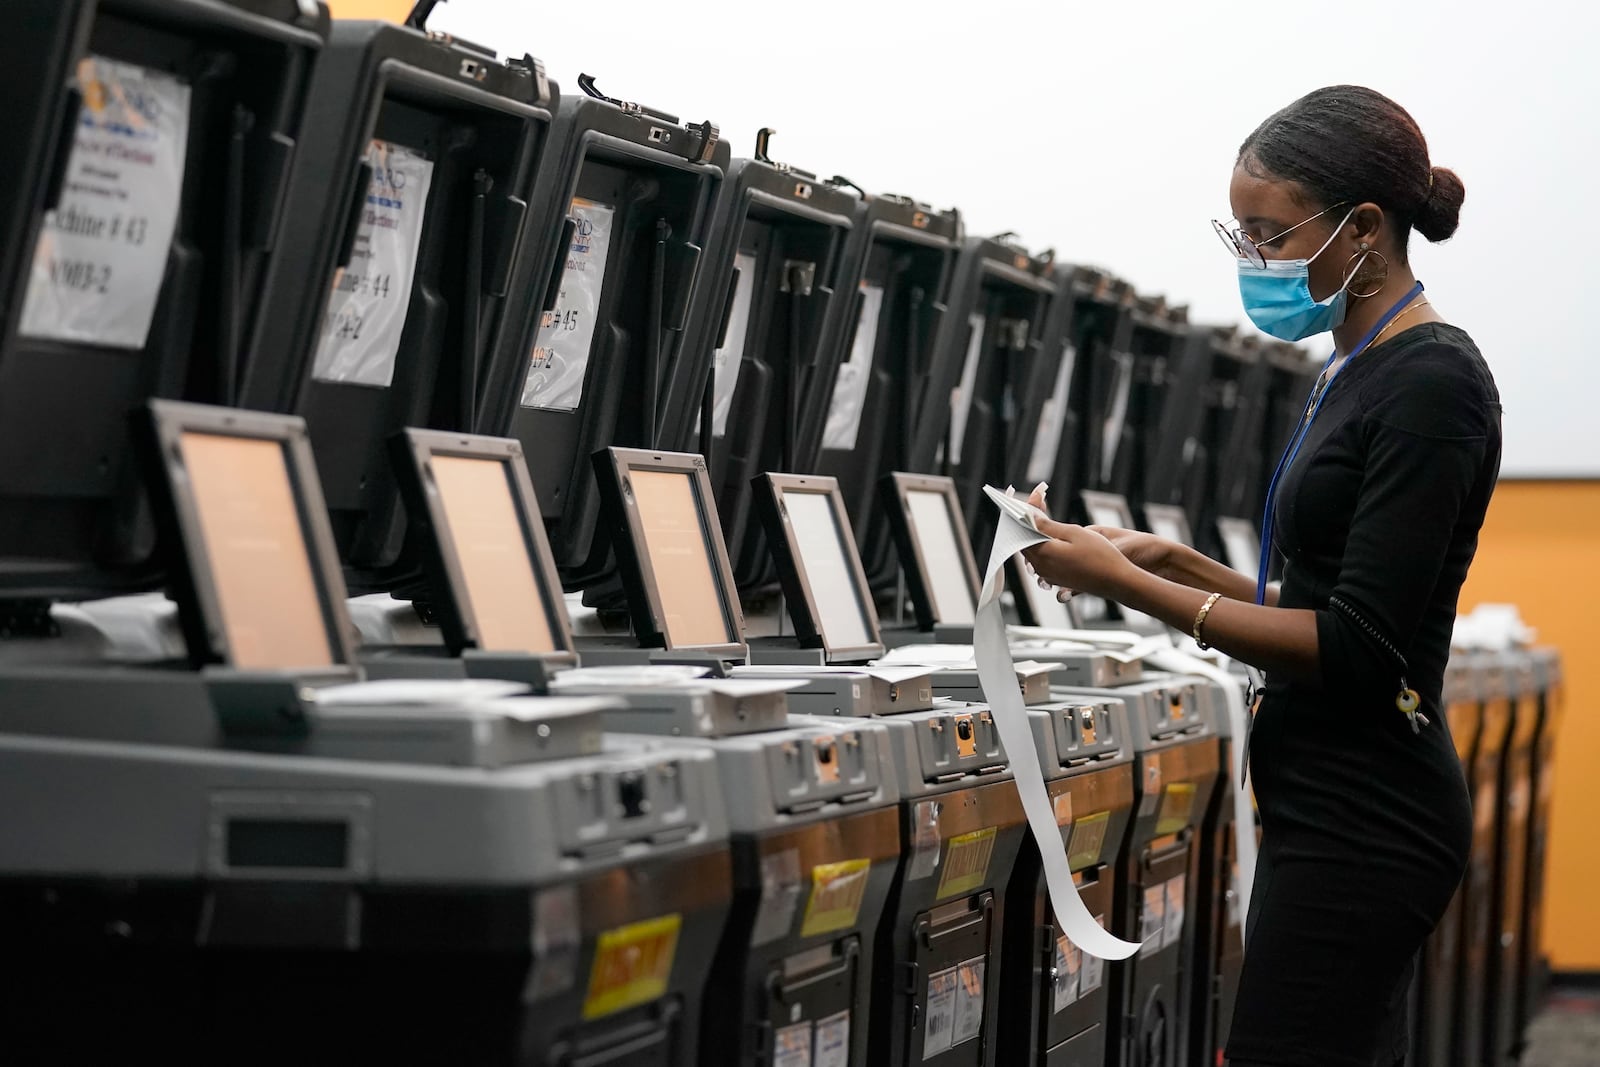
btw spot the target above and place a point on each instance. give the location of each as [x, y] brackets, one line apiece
[1567, 1033]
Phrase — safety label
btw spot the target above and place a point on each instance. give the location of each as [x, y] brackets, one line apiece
[941, 1013]
[969, 1002]
[632, 965]
[560, 358]
[729, 356]
[780, 896]
[1172, 925]
[1151, 917]
[792, 1046]
[102, 253]
[366, 316]
[837, 890]
[850, 387]
[832, 1048]
[1068, 970]
[966, 862]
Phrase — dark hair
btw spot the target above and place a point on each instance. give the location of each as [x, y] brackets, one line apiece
[1346, 144]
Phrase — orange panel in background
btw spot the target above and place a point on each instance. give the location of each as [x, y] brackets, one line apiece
[1540, 550]
[393, 10]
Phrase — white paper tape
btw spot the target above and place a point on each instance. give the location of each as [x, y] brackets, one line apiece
[997, 675]
[1244, 814]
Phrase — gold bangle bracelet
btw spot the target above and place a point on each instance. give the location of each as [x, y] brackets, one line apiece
[1200, 618]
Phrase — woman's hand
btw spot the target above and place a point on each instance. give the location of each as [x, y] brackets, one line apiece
[1079, 559]
[1145, 551]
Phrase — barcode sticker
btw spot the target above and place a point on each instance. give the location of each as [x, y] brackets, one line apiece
[1150, 919]
[941, 1013]
[1172, 926]
[792, 1046]
[1094, 968]
[969, 1001]
[832, 1047]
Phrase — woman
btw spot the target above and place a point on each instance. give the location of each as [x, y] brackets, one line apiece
[1365, 814]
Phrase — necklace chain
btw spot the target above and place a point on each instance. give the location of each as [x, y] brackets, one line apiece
[1422, 302]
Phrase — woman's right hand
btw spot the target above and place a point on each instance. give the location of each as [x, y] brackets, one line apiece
[1145, 551]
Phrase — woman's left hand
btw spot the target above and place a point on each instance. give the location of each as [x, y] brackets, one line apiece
[1080, 559]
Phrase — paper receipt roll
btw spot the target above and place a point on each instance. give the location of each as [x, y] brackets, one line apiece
[997, 676]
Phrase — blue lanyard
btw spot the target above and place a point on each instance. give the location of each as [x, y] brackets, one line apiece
[1307, 417]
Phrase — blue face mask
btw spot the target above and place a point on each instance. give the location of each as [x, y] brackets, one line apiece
[1277, 296]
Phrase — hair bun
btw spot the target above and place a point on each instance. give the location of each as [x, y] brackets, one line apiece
[1440, 213]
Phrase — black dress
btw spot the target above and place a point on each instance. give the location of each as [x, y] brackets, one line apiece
[1366, 825]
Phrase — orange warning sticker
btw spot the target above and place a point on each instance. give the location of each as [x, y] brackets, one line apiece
[632, 965]
[966, 862]
[837, 890]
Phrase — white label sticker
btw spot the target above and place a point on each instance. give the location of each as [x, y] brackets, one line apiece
[832, 1048]
[102, 253]
[1151, 917]
[792, 1047]
[850, 388]
[1069, 967]
[560, 357]
[1111, 430]
[729, 357]
[367, 308]
[961, 398]
[1094, 968]
[556, 929]
[926, 845]
[780, 896]
[969, 1002]
[1172, 925]
[941, 1014]
[1052, 419]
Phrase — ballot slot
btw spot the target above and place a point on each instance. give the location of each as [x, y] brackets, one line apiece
[392, 291]
[889, 331]
[144, 186]
[784, 233]
[603, 354]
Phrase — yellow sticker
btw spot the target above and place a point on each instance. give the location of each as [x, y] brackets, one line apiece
[1088, 841]
[632, 965]
[837, 890]
[1176, 806]
[966, 862]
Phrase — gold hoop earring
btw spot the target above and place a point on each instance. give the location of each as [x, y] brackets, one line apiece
[1360, 259]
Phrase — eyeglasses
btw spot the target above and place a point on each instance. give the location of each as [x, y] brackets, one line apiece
[1241, 245]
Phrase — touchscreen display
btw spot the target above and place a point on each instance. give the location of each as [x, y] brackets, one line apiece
[501, 591]
[825, 561]
[1239, 543]
[271, 611]
[679, 554]
[953, 601]
[1169, 523]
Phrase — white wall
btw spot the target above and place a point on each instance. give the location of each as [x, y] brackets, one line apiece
[1108, 130]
